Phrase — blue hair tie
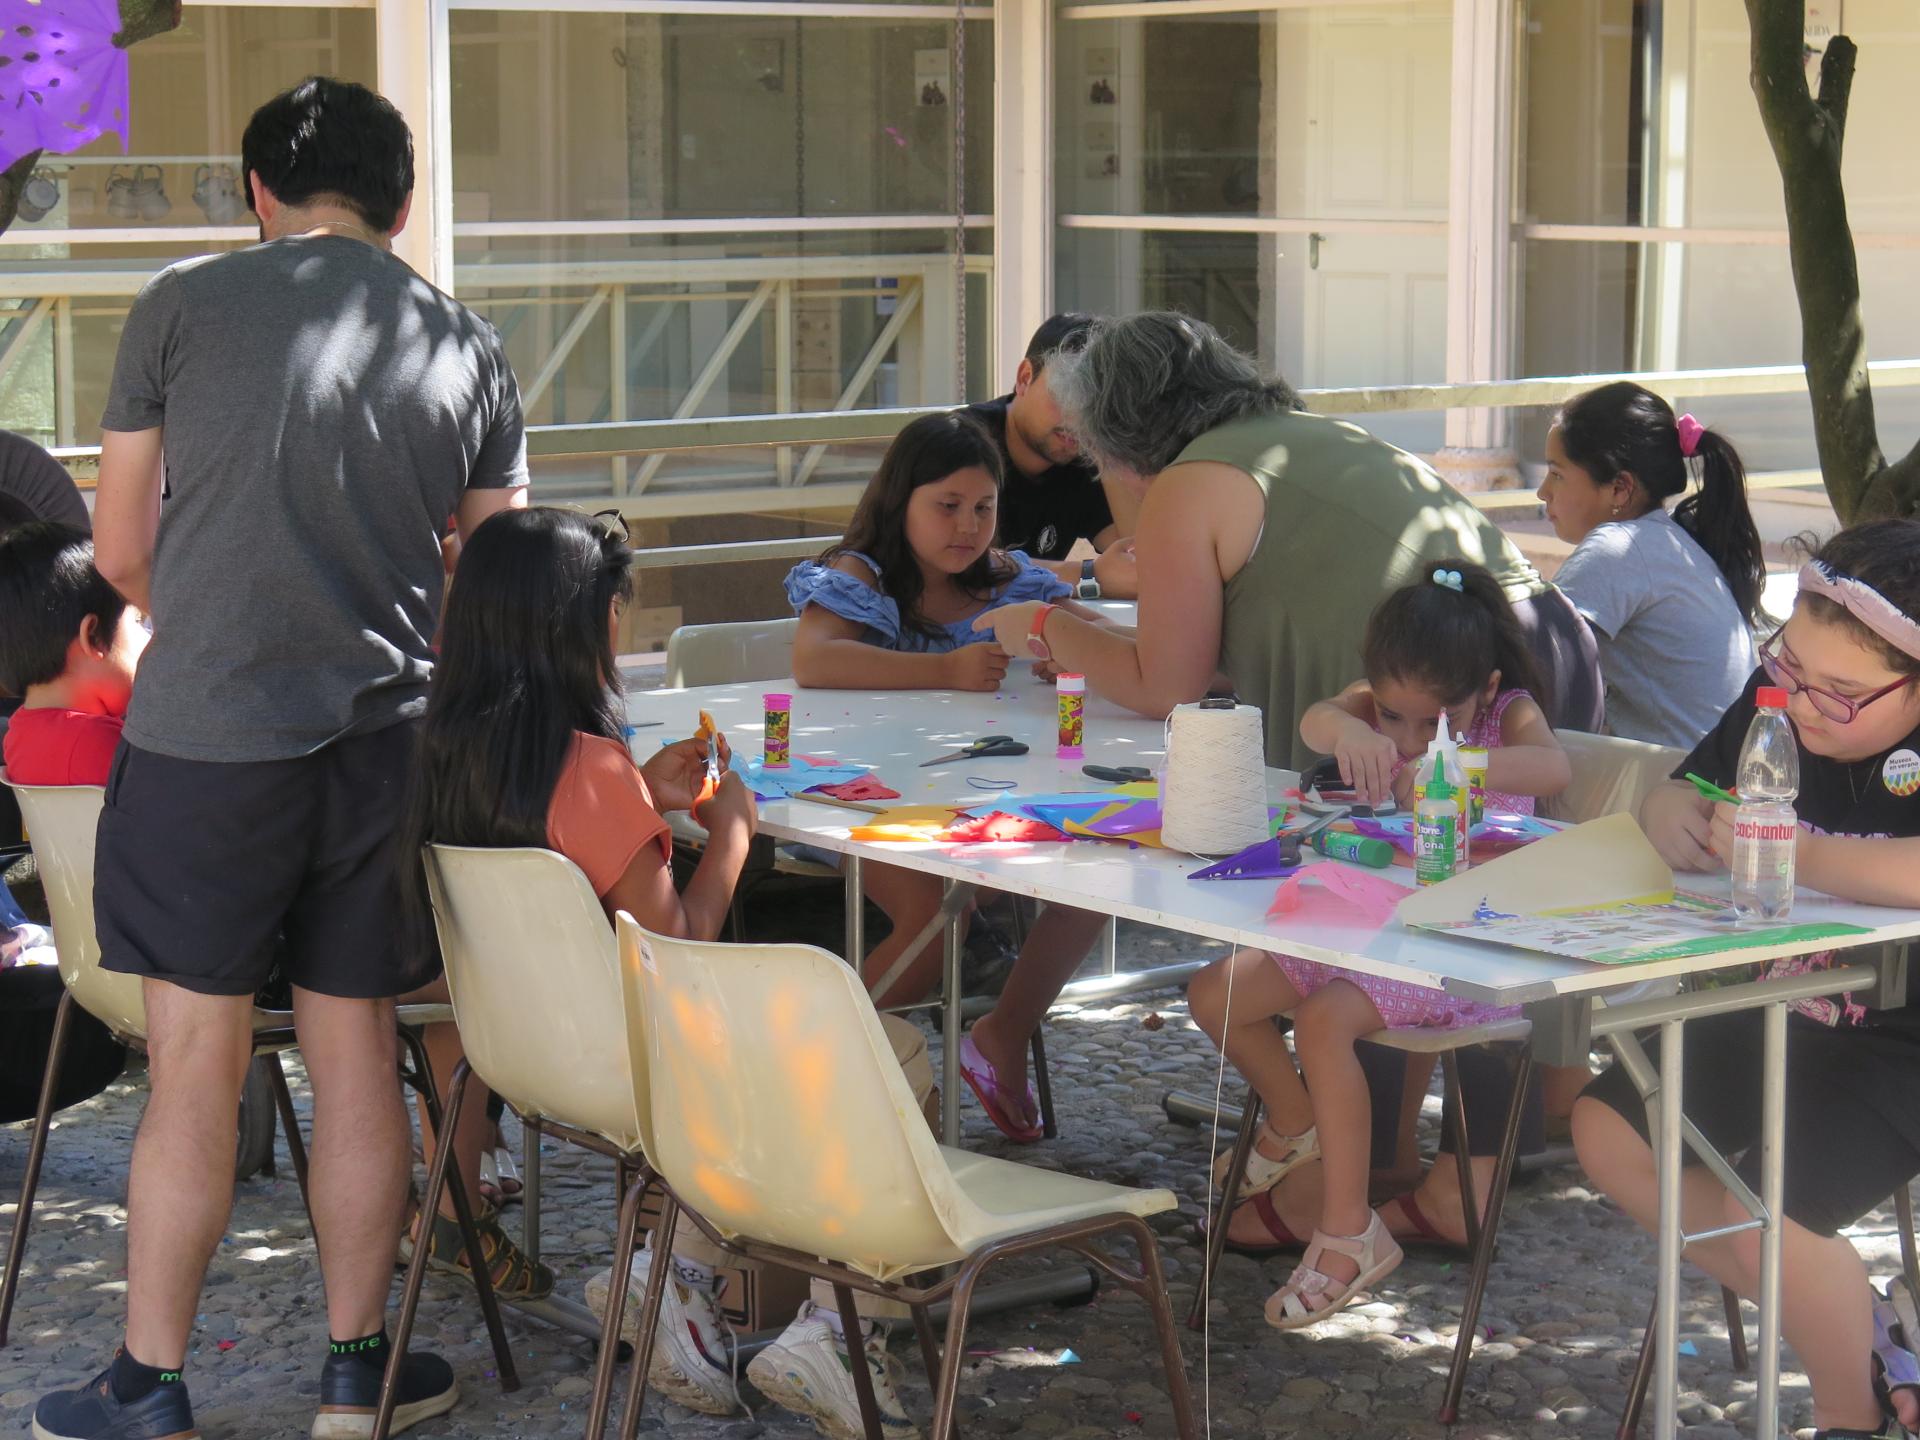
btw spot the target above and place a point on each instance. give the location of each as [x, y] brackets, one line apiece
[981, 782]
[1449, 580]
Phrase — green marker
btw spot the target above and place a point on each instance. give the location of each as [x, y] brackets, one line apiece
[1710, 791]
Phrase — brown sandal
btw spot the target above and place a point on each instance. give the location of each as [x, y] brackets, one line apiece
[514, 1276]
[1284, 1240]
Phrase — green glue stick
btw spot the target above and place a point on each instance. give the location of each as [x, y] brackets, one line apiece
[1360, 849]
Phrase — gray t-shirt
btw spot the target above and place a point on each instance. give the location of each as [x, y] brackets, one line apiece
[324, 408]
[1674, 648]
[40, 483]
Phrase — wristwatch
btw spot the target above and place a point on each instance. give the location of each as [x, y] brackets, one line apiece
[1088, 588]
[1037, 634]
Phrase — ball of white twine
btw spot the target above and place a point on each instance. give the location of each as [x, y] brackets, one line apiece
[1213, 788]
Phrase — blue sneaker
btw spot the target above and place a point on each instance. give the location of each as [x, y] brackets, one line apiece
[350, 1393]
[94, 1413]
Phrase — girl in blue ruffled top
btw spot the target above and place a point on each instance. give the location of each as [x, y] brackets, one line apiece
[891, 607]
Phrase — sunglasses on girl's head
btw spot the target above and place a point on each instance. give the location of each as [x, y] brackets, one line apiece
[613, 523]
[1837, 708]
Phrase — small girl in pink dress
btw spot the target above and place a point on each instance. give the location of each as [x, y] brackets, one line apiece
[1448, 643]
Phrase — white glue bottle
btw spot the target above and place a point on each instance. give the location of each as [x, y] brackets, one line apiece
[1444, 750]
[1436, 823]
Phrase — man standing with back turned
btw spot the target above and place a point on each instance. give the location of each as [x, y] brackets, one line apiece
[322, 410]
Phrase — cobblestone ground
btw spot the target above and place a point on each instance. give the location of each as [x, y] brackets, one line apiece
[1569, 1292]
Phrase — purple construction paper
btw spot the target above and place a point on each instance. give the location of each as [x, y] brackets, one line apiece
[1141, 815]
[1257, 862]
[1499, 826]
[63, 83]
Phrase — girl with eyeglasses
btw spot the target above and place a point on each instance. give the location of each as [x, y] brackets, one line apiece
[1849, 659]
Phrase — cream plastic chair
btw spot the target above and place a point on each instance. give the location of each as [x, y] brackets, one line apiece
[534, 974]
[731, 653]
[784, 1128]
[1611, 776]
[62, 822]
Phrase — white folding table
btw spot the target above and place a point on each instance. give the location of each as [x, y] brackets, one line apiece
[1564, 998]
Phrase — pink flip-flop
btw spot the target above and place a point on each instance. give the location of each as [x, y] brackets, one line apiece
[993, 1097]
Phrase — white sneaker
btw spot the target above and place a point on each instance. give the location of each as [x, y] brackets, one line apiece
[690, 1362]
[806, 1371]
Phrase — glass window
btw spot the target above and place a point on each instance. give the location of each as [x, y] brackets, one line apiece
[1331, 118]
[1639, 114]
[618, 117]
[670, 135]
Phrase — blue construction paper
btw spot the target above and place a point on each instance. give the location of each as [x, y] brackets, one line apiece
[1078, 799]
[1058, 815]
[798, 776]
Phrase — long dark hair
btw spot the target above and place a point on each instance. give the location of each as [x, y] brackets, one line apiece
[1624, 428]
[526, 660]
[927, 451]
[1450, 641]
[1886, 555]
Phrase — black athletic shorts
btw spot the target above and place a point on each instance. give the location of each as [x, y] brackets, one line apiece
[1852, 1136]
[207, 873]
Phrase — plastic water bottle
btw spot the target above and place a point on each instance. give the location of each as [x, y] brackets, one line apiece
[1765, 831]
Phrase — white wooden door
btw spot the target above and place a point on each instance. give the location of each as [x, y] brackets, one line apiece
[1374, 306]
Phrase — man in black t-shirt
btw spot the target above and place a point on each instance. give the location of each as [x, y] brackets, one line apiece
[1052, 498]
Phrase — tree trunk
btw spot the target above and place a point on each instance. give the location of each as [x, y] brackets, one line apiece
[139, 20]
[1807, 133]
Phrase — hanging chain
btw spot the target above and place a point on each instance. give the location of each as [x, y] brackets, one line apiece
[960, 197]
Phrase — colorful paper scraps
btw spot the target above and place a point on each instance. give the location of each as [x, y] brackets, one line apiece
[867, 787]
[1498, 833]
[906, 824]
[798, 775]
[978, 829]
[1342, 888]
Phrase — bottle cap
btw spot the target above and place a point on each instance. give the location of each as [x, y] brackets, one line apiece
[1438, 788]
[1070, 683]
[774, 701]
[1770, 697]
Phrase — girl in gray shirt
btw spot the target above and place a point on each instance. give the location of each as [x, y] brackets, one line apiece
[1670, 595]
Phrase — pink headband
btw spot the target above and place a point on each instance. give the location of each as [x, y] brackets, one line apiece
[1865, 604]
[1690, 432]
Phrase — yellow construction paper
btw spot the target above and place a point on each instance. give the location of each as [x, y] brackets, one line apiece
[1603, 862]
[907, 823]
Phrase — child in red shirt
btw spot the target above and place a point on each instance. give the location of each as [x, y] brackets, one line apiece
[68, 648]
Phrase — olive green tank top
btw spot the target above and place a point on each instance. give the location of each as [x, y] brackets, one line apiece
[1349, 519]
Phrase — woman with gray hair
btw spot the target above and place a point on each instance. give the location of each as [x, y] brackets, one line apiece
[1267, 537]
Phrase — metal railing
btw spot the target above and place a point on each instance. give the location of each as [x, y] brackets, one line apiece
[819, 429]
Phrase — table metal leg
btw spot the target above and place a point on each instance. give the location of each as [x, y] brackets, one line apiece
[1110, 942]
[856, 913]
[1773, 1124]
[951, 1018]
[1666, 1386]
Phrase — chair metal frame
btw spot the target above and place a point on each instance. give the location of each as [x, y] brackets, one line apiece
[1482, 1232]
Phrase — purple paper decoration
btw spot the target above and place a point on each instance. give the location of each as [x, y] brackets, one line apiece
[63, 83]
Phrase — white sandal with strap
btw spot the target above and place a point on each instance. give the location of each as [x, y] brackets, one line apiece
[1311, 1295]
[1264, 1172]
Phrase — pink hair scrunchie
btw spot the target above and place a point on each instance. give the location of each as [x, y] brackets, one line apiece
[1690, 432]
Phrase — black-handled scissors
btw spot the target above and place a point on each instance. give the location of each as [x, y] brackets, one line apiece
[985, 746]
[1116, 774]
